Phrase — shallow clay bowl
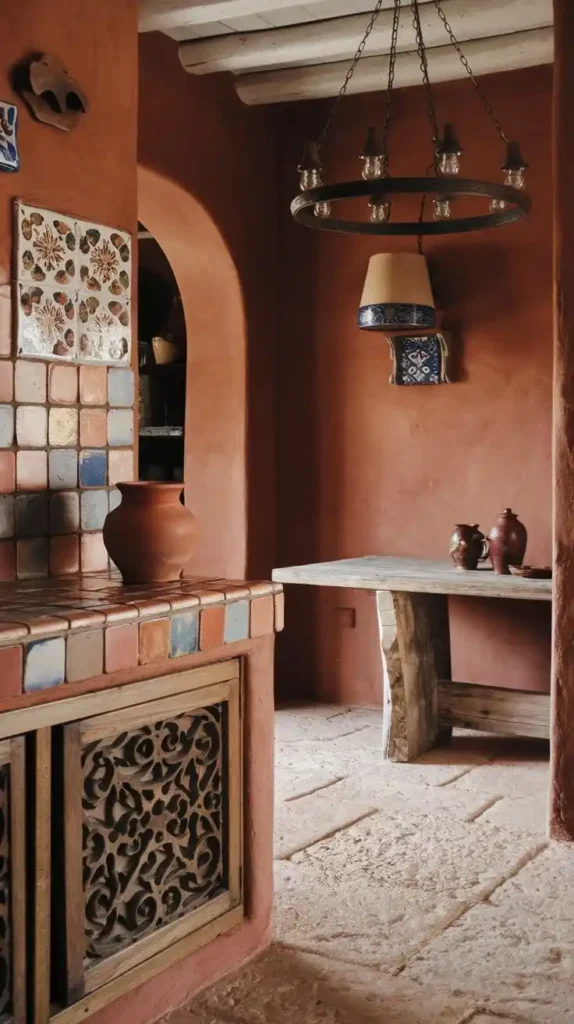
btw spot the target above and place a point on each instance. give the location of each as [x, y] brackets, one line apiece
[532, 572]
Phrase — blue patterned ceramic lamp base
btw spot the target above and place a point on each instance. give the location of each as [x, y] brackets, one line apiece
[384, 315]
[9, 158]
[419, 360]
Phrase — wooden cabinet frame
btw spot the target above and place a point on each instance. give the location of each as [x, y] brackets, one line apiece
[13, 858]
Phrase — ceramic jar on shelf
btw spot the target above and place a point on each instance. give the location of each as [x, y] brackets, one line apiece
[150, 536]
[507, 540]
[468, 546]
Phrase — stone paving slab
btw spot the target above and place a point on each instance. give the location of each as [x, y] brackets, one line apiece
[286, 986]
[376, 892]
[525, 814]
[301, 823]
[516, 952]
[511, 780]
[291, 784]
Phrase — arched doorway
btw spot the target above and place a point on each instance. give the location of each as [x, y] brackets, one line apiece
[215, 459]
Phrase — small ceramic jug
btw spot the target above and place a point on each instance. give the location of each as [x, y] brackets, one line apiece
[468, 546]
[507, 539]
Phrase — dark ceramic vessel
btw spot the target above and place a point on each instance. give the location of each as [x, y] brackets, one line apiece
[468, 546]
[151, 535]
[507, 539]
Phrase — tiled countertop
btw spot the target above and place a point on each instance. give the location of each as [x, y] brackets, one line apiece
[71, 630]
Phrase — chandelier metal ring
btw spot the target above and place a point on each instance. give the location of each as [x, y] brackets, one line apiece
[517, 205]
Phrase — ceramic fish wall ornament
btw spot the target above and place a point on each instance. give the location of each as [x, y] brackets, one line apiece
[51, 94]
[9, 156]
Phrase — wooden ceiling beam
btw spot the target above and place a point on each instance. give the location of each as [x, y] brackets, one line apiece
[163, 15]
[337, 38]
[502, 53]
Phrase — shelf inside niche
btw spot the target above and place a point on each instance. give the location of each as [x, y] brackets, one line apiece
[161, 431]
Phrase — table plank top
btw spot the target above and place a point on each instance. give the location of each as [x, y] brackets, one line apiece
[417, 575]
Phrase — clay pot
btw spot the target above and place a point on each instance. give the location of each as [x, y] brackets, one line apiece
[150, 535]
[507, 539]
[468, 546]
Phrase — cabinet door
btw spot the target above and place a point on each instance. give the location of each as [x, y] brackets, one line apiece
[152, 833]
[12, 883]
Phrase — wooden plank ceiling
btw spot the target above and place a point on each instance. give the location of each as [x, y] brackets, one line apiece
[281, 50]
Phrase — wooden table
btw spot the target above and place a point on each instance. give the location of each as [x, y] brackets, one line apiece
[420, 701]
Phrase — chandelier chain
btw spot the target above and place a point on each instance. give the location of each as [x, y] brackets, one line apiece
[351, 71]
[468, 69]
[391, 81]
[425, 70]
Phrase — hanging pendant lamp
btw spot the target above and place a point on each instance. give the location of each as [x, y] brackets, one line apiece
[495, 203]
[397, 293]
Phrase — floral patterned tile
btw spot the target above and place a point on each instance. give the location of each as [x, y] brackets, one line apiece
[45, 247]
[104, 326]
[104, 261]
[47, 322]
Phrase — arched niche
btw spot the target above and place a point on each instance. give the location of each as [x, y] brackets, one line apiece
[215, 462]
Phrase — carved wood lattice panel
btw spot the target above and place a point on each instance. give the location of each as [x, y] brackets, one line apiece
[154, 824]
[5, 931]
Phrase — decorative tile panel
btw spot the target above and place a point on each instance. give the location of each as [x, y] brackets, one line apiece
[9, 156]
[74, 288]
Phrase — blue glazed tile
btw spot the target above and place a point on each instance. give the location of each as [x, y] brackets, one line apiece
[120, 427]
[93, 468]
[94, 505]
[9, 156]
[121, 388]
[6, 425]
[63, 469]
[236, 621]
[45, 664]
[184, 634]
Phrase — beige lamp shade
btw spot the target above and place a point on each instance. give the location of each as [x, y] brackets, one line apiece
[397, 293]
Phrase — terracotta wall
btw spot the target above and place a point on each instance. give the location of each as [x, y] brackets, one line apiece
[365, 467]
[208, 192]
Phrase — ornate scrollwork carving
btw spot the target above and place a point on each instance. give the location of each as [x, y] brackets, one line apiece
[5, 937]
[153, 830]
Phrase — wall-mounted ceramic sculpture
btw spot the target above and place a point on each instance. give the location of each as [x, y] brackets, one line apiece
[9, 157]
[73, 283]
[51, 94]
[419, 359]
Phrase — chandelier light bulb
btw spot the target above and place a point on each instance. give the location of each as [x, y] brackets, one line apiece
[322, 210]
[309, 177]
[380, 211]
[449, 164]
[442, 208]
[448, 153]
[515, 177]
[372, 157]
[497, 205]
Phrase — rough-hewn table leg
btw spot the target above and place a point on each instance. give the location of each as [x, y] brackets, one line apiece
[416, 653]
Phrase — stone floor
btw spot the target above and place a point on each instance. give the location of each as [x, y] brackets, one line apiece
[407, 894]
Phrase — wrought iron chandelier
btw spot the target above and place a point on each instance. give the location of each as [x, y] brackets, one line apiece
[507, 202]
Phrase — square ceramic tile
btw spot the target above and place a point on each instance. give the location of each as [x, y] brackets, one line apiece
[104, 326]
[184, 634]
[85, 656]
[154, 640]
[7, 561]
[64, 555]
[6, 516]
[6, 426]
[32, 558]
[31, 515]
[6, 380]
[45, 664]
[47, 322]
[121, 466]
[115, 499]
[32, 470]
[6, 298]
[30, 382]
[236, 621]
[121, 647]
[63, 424]
[31, 426]
[104, 260]
[45, 247]
[11, 664]
[9, 156]
[262, 615]
[93, 554]
[7, 472]
[93, 385]
[120, 427]
[93, 428]
[121, 387]
[211, 625]
[64, 514]
[63, 469]
[94, 509]
[93, 468]
[64, 385]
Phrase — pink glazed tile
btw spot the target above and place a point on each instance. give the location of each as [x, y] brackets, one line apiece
[6, 381]
[64, 385]
[32, 471]
[30, 382]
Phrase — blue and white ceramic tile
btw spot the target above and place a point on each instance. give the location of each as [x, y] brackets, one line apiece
[45, 664]
[9, 156]
[93, 468]
[236, 621]
[184, 634]
[419, 360]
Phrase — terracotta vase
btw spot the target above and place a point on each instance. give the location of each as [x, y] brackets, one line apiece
[150, 535]
[468, 546]
[507, 539]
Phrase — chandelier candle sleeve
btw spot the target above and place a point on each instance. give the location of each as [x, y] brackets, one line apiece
[397, 293]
